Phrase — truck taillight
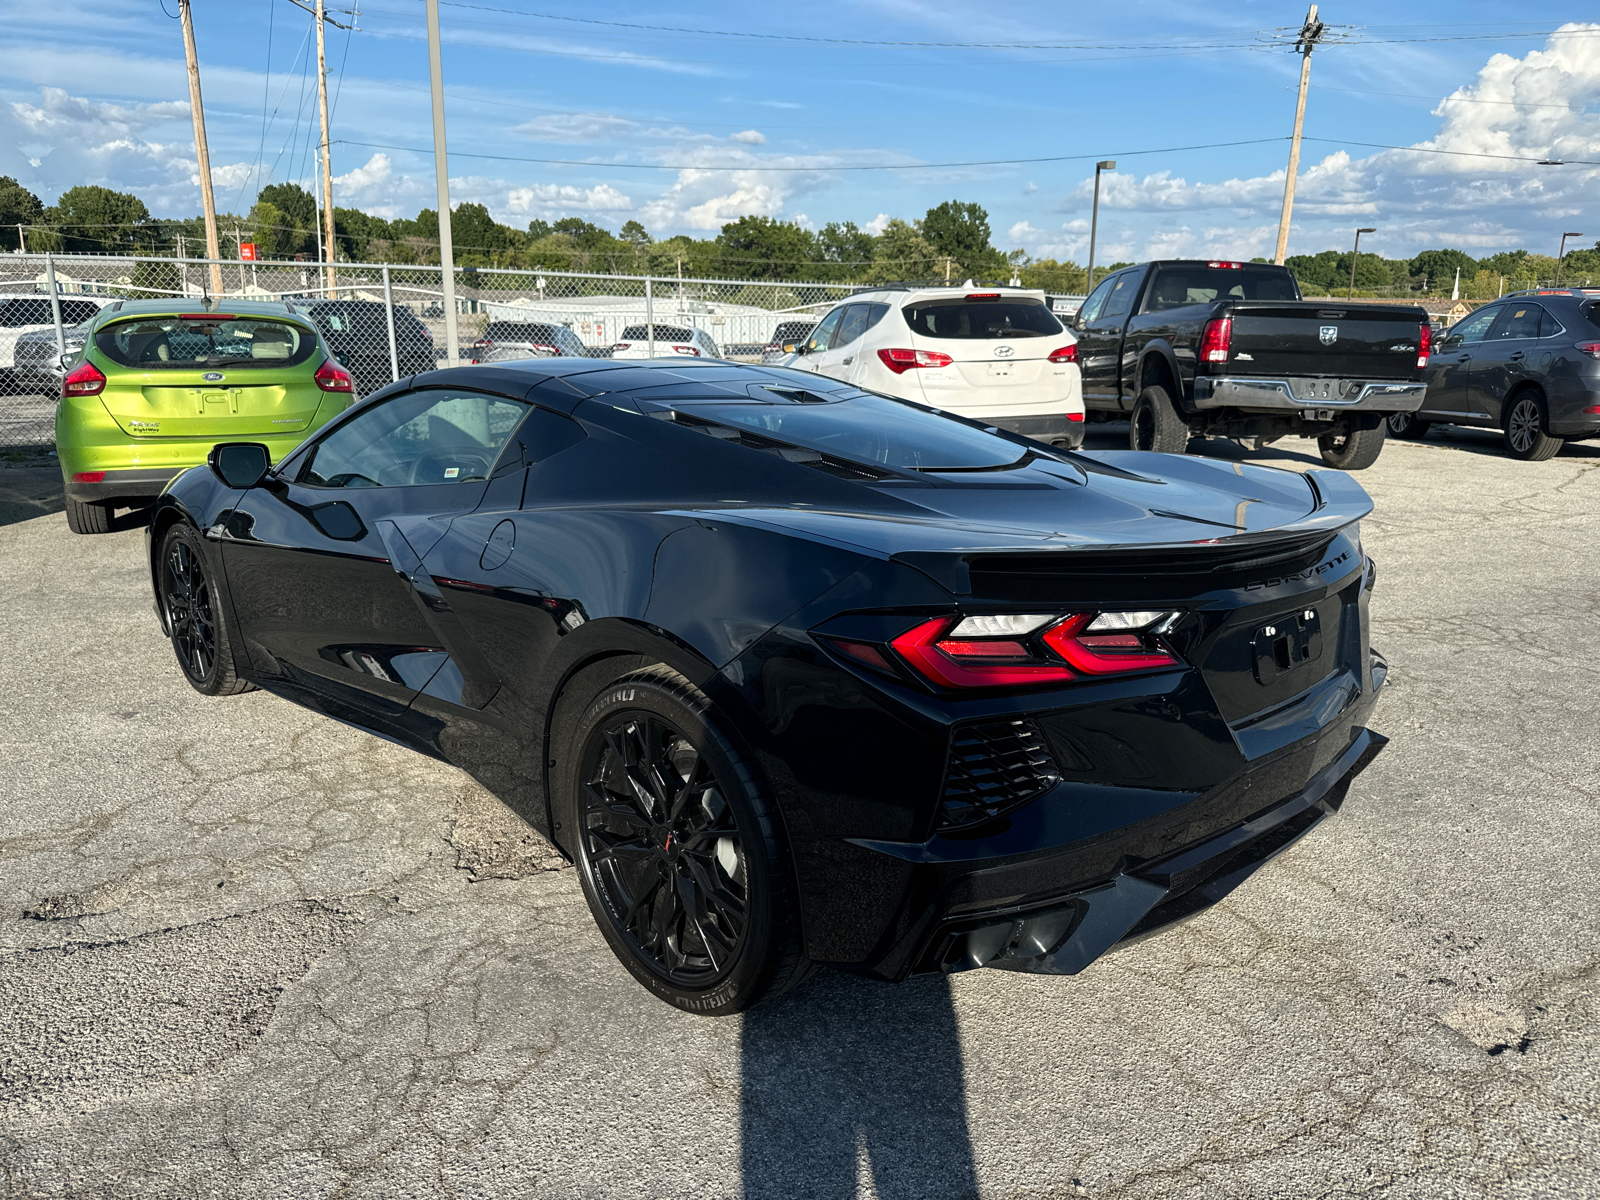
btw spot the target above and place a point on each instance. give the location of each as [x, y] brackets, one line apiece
[901, 361]
[1214, 340]
[1065, 354]
[85, 380]
[1230, 266]
[1424, 344]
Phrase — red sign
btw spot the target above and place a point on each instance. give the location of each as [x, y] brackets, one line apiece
[247, 251]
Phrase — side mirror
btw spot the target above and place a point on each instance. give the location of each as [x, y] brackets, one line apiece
[802, 348]
[67, 358]
[1078, 322]
[239, 464]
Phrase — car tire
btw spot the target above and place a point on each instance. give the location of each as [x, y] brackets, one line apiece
[1156, 424]
[1408, 426]
[1352, 451]
[88, 518]
[194, 616]
[1524, 424]
[678, 845]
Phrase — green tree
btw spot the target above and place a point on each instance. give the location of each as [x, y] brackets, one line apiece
[635, 234]
[1438, 267]
[1053, 276]
[284, 218]
[92, 218]
[299, 205]
[18, 206]
[538, 229]
[843, 250]
[356, 231]
[765, 248]
[959, 230]
[902, 252]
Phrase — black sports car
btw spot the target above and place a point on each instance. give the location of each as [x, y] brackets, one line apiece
[799, 674]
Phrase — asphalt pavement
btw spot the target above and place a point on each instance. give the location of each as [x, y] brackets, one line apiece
[246, 951]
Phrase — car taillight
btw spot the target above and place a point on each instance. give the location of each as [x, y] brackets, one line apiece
[686, 350]
[482, 344]
[1065, 354]
[331, 377]
[901, 361]
[88, 477]
[983, 295]
[1215, 339]
[1229, 266]
[771, 346]
[1074, 416]
[1023, 650]
[84, 380]
[555, 350]
[1424, 344]
[622, 345]
[1592, 349]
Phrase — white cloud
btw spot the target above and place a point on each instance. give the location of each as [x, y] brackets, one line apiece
[877, 225]
[575, 127]
[1029, 188]
[548, 198]
[751, 137]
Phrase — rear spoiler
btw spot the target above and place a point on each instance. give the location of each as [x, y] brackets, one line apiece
[1337, 502]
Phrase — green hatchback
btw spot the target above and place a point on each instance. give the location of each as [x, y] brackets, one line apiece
[159, 382]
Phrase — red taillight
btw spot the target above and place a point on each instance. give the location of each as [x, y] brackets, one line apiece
[1065, 651]
[331, 377]
[208, 317]
[862, 652]
[983, 295]
[1424, 344]
[1214, 340]
[88, 477]
[1592, 349]
[1231, 266]
[482, 344]
[771, 346]
[84, 380]
[1103, 653]
[686, 350]
[949, 665]
[622, 345]
[1074, 416]
[1065, 354]
[901, 361]
[555, 350]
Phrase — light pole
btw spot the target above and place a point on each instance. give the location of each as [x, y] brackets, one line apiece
[1563, 254]
[1094, 219]
[1355, 254]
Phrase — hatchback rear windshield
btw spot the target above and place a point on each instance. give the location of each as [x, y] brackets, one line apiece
[981, 319]
[184, 343]
[867, 428]
[664, 333]
[1176, 286]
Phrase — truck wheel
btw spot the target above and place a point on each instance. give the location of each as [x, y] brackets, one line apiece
[1406, 425]
[88, 518]
[1352, 451]
[1524, 426]
[1156, 424]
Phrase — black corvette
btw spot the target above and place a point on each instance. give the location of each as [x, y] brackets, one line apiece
[798, 674]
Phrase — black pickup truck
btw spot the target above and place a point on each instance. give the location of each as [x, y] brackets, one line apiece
[1186, 348]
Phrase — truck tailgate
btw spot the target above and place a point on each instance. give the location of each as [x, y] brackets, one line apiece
[1339, 341]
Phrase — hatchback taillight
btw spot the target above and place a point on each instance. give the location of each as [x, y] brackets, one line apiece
[85, 379]
[1592, 349]
[1065, 354]
[901, 361]
[686, 350]
[331, 377]
[1023, 650]
[1215, 339]
[1424, 344]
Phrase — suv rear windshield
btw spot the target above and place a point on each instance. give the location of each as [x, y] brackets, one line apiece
[664, 333]
[1176, 286]
[179, 343]
[959, 317]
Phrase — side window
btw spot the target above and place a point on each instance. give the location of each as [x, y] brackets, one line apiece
[822, 335]
[852, 325]
[1549, 326]
[875, 313]
[1520, 321]
[1476, 327]
[435, 436]
[1121, 298]
[1097, 300]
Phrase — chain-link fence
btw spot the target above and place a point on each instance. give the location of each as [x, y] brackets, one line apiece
[386, 321]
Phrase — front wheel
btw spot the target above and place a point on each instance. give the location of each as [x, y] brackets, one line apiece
[1355, 451]
[1407, 425]
[193, 613]
[678, 846]
[1524, 429]
[1156, 424]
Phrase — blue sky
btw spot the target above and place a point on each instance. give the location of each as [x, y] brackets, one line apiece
[94, 91]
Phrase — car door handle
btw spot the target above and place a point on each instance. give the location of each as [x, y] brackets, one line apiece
[1465, 358]
[849, 360]
[1518, 355]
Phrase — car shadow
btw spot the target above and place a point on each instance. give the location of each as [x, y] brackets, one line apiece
[1491, 442]
[847, 1080]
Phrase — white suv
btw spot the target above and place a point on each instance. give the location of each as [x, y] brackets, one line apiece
[672, 341]
[995, 355]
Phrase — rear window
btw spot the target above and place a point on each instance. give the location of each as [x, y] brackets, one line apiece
[793, 331]
[184, 343]
[16, 313]
[981, 319]
[519, 331]
[1591, 313]
[867, 428]
[1176, 286]
[664, 333]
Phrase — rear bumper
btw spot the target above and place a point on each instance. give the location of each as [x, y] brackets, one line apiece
[1042, 429]
[1298, 395]
[143, 484]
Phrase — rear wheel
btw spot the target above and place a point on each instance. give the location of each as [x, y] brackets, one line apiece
[1156, 424]
[1524, 428]
[193, 612]
[88, 518]
[1354, 451]
[1407, 425]
[678, 846]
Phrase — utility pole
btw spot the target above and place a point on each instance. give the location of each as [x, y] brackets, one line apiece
[327, 153]
[22, 241]
[1355, 254]
[208, 199]
[441, 174]
[1310, 33]
[1562, 254]
[1110, 164]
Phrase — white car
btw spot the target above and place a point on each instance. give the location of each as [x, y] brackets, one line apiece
[672, 341]
[26, 312]
[996, 355]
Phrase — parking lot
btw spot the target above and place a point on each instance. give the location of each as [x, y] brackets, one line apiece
[251, 952]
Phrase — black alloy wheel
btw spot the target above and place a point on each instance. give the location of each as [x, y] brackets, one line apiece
[1524, 429]
[678, 847]
[1156, 424]
[1407, 425]
[193, 620]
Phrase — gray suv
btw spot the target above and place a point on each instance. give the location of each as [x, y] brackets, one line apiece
[1527, 364]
